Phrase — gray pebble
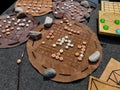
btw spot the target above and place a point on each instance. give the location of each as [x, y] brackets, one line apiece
[87, 15]
[85, 4]
[48, 22]
[49, 73]
[34, 35]
[18, 9]
[94, 57]
[21, 15]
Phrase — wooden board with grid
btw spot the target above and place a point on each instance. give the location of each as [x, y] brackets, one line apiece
[110, 24]
[68, 64]
[110, 6]
[35, 7]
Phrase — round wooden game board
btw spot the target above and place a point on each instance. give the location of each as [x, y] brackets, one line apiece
[71, 10]
[35, 7]
[71, 63]
[14, 30]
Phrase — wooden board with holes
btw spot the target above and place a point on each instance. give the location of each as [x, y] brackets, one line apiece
[35, 7]
[13, 30]
[71, 10]
[109, 23]
[65, 47]
[110, 6]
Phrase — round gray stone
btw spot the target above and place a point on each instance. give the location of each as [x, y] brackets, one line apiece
[19, 9]
[85, 3]
[94, 57]
[49, 73]
[87, 15]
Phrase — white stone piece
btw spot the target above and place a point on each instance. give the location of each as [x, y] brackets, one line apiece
[81, 55]
[24, 20]
[66, 40]
[27, 25]
[4, 21]
[15, 23]
[55, 12]
[60, 44]
[66, 37]
[71, 45]
[18, 20]
[18, 9]
[8, 17]
[66, 47]
[59, 40]
[69, 41]
[29, 21]
[18, 28]
[61, 51]
[9, 22]
[85, 3]
[48, 20]
[53, 45]
[13, 19]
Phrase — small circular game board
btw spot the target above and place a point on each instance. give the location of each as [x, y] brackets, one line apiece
[109, 23]
[71, 10]
[14, 29]
[65, 47]
[35, 7]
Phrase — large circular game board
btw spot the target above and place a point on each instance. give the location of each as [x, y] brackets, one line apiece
[65, 47]
[72, 10]
[35, 7]
[14, 29]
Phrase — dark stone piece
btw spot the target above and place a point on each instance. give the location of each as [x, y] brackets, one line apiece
[49, 73]
[21, 15]
[34, 35]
